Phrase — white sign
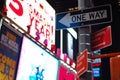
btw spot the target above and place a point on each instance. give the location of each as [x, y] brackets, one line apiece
[91, 16]
[36, 17]
[83, 17]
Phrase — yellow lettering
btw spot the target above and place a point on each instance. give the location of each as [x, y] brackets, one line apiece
[11, 73]
[2, 66]
[0, 56]
[9, 61]
[4, 59]
[2, 76]
[6, 77]
[13, 64]
[11, 36]
[10, 78]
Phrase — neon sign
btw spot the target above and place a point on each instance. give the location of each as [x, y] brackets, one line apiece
[36, 17]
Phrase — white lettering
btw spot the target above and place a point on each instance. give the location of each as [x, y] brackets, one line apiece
[9, 43]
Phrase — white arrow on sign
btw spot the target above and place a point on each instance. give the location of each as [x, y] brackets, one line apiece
[66, 20]
[77, 18]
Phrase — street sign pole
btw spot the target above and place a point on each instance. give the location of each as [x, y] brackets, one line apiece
[84, 40]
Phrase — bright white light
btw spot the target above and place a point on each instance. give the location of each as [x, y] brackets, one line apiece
[72, 32]
[37, 14]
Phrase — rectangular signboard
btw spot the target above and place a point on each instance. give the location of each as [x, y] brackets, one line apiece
[65, 73]
[82, 63]
[36, 17]
[101, 38]
[10, 45]
[91, 16]
[35, 63]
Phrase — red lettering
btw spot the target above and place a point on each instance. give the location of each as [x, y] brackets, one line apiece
[37, 30]
[37, 35]
[29, 26]
[35, 1]
[52, 30]
[36, 13]
[18, 11]
[47, 34]
[42, 30]
[30, 9]
[36, 25]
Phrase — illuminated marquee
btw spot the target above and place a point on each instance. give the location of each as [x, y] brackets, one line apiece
[36, 17]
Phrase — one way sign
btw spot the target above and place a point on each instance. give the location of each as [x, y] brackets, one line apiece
[91, 16]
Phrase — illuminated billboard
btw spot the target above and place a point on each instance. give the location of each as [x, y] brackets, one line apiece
[10, 44]
[66, 74]
[36, 63]
[36, 17]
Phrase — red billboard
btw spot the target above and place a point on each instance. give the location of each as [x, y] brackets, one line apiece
[82, 64]
[101, 38]
[66, 74]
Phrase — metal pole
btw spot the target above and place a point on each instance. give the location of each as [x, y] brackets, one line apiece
[84, 40]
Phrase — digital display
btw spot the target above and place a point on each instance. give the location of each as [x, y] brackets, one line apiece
[36, 63]
[98, 60]
[96, 72]
[66, 74]
[10, 45]
[36, 17]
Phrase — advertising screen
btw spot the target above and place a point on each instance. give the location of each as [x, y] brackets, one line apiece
[65, 73]
[36, 63]
[36, 17]
[10, 44]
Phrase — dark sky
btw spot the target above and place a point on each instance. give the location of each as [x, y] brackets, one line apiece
[63, 5]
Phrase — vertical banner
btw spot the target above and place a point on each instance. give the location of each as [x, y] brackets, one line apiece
[10, 41]
[82, 62]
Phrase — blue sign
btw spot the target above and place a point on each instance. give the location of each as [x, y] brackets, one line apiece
[91, 16]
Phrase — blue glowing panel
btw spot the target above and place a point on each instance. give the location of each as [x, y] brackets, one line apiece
[96, 72]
